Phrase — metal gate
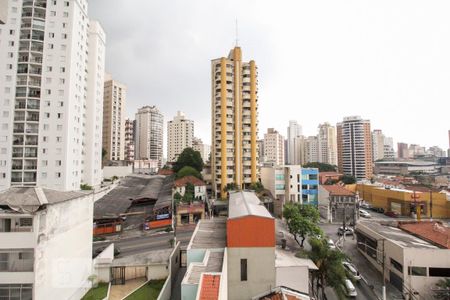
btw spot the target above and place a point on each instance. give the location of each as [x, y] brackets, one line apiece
[183, 259]
[118, 275]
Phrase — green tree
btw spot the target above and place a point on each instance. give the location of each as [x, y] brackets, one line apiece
[186, 171]
[257, 187]
[177, 198]
[348, 179]
[302, 220]
[442, 289]
[231, 187]
[189, 193]
[329, 262]
[189, 157]
[104, 153]
[323, 167]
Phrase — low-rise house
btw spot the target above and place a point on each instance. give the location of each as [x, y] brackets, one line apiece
[336, 203]
[46, 243]
[327, 177]
[199, 187]
[413, 257]
[237, 257]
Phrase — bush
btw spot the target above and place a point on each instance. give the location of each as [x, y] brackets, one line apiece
[85, 187]
[188, 171]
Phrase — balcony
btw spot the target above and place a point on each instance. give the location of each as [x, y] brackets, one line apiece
[16, 261]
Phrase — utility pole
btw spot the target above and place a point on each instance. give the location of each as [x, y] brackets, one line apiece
[431, 205]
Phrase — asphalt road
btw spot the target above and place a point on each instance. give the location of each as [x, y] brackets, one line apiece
[147, 242]
[370, 286]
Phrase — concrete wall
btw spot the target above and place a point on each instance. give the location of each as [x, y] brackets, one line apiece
[3, 11]
[102, 264]
[195, 255]
[424, 258]
[157, 271]
[260, 271]
[63, 256]
[174, 266]
[119, 171]
[296, 277]
[223, 288]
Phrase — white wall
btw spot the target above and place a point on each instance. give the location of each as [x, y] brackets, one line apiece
[3, 11]
[260, 271]
[63, 256]
[296, 277]
[119, 171]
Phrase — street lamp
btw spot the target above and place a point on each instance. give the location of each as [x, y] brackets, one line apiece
[382, 263]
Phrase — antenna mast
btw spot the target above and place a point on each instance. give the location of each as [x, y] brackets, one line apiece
[237, 39]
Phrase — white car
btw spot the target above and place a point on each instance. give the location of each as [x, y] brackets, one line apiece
[363, 213]
[349, 288]
[331, 244]
[352, 270]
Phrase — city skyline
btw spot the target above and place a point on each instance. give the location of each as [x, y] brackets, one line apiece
[300, 74]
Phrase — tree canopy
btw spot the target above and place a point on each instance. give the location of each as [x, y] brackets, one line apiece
[186, 171]
[189, 157]
[302, 220]
[323, 167]
[331, 271]
[442, 289]
[348, 179]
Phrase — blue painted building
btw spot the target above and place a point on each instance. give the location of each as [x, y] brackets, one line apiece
[310, 186]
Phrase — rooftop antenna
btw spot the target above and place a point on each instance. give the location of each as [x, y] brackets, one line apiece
[237, 40]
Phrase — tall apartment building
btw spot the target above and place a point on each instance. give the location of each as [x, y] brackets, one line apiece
[51, 91]
[149, 135]
[129, 140]
[388, 151]
[260, 144]
[3, 11]
[294, 130]
[204, 149]
[114, 97]
[355, 147]
[311, 150]
[274, 147]
[180, 133]
[377, 144]
[327, 144]
[234, 121]
[402, 150]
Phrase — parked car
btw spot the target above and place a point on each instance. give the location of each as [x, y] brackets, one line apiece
[331, 244]
[391, 214]
[349, 288]
[351, 269]
[363, 213]
[378, 210]
[347, 231]
[366, 206]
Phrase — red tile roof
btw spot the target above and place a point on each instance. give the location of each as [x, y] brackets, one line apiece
[337, 190]
[165, 172]
[433, 232]
[330, 174]
[188, 179]
[210, 287]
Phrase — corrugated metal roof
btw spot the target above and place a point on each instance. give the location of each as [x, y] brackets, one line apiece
[246, 203]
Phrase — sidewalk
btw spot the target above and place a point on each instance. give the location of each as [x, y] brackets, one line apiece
[121, 290]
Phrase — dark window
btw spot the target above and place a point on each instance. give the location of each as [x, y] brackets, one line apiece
[417, 271]
[397, 265]
[243, 269]
[439, 272]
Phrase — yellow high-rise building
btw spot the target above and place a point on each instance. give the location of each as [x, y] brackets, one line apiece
[234, 120]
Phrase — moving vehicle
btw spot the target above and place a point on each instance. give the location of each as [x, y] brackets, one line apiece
[347, 231]
[349, 288]
[391, 214]
[363, 213]
[366, 206]
[378, 209]
[351, 269]
[331, 244]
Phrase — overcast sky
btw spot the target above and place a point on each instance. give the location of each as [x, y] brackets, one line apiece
[387, 61]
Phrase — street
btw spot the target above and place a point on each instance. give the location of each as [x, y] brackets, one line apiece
[370, 286]
[145, 242]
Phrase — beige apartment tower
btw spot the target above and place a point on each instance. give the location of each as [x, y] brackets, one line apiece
[114, 119]
[234, 122]
[274, 147]
[327, 147]
[180, 133]
[354, 141]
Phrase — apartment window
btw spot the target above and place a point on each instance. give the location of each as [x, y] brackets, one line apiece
[47, 115]
[49, 68]
[66, 14]
[398, 266]
[51, 34]
[59, 139]
[62, 69]
[50, 46]
[417, 271]
[26, 222]
[58, 163]
[45, 162]
[58, 174]
[59, 127]
[59, 115]
[44, 174]
[439, 272]
[243, 269]
[53, 13]
[46, 126]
